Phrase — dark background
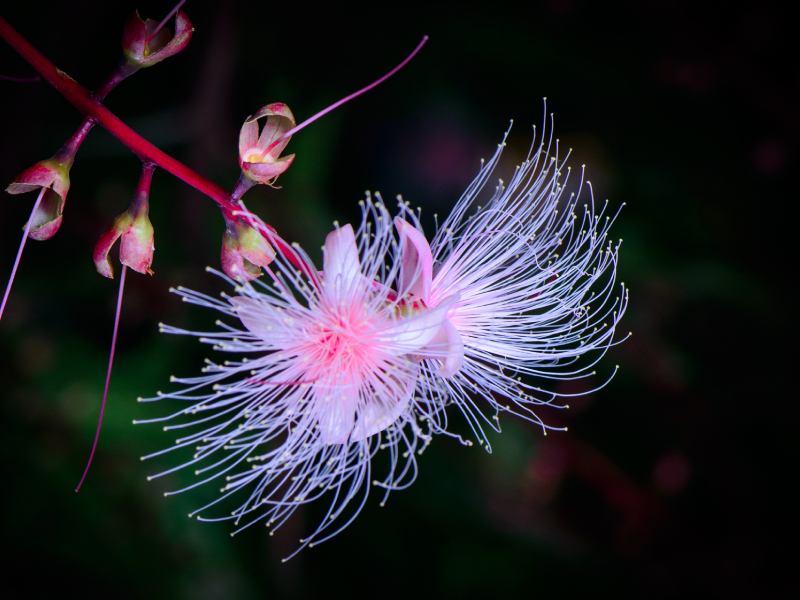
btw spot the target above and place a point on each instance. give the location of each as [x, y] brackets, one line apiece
[674, 478]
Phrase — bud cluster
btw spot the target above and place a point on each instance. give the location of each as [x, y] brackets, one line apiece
[144, 44]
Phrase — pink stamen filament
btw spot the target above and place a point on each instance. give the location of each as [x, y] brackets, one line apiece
[108, 375]
[263, 382]
[325, 111]
[164, 22]
[19, 252]
[21, 79]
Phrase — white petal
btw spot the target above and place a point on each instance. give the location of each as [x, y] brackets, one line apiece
[379, 413]
[447, 347]
[336, 407]
[341, 265]
[408, 335]
[260, 318]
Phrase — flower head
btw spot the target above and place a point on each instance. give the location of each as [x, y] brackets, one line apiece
[354, 358]
[260, 155]
[330, 380]
[536, 289]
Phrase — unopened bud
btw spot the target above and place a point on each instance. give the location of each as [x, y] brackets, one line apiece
[259, 155]
[140, 53]
[244, 251]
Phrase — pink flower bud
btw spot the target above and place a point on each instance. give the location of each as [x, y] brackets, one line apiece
[259, 155]
[141, 53]
[244, 251]
[53, 174]
[136, 248]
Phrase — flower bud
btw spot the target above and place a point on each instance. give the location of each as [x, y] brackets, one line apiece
[140, 53]
[54, 175]
[244, 251]
[259, 158]
[136, 247]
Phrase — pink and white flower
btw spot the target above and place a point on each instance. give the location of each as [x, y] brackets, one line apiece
[535, 287]
[331, 380]
[364, 354]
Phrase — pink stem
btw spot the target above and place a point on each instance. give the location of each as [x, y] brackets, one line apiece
[108, 375]
[19, 252]
[21, 79]
[164, 22]
[325, 111]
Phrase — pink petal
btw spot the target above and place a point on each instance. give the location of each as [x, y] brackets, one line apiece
[276, 108]
[379, 413]
[248, 137]
[417, 267]
[267, 170]
[279, 120]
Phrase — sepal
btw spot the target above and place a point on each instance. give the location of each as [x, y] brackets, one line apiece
[136, 247]
[140, 53]
[54, 175]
